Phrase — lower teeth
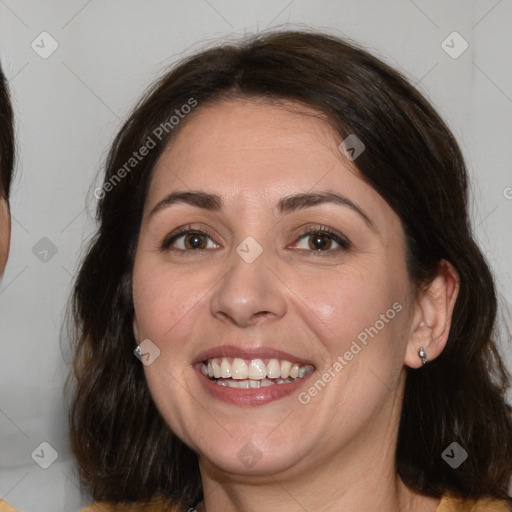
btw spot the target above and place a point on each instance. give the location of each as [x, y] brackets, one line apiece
[249, 383]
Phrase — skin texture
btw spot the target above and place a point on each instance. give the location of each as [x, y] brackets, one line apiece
[336, 452]
[5, 234]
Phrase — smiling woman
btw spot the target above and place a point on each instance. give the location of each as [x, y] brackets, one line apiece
[279, 244]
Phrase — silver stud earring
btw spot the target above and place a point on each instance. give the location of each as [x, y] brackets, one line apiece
[423, 355]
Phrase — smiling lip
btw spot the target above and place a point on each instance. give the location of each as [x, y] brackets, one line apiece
[251, 396]
[249, 353]
[256, 396]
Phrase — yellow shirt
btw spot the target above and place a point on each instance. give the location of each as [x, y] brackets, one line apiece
[451, 504]
[5, 507]
[447, 504]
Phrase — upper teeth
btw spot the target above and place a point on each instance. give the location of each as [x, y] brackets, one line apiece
[255, 369]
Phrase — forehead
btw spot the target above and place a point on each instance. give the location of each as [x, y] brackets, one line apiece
[246, 149]
[235, 130]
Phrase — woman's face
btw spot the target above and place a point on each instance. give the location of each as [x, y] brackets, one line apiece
[261, 249]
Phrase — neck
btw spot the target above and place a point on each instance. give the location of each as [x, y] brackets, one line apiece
[361, 477]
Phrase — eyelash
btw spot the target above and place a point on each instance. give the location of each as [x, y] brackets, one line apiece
[185, 230]
[344, 243]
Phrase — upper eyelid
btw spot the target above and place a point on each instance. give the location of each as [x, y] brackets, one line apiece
[298, 234]
[337, 237]
[185, 230]
[317, 228]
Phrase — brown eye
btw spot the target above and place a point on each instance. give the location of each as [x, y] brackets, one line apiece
[195, 241]
[189, 241]
[320, 242]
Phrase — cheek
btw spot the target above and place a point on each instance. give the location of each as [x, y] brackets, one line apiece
[164, 303]
[360, 318]
[353, 304]
[359, 315]
[164, 298]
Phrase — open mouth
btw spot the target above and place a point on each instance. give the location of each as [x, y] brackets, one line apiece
[253, 373]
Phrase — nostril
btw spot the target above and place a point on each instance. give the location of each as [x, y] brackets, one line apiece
[260, 314]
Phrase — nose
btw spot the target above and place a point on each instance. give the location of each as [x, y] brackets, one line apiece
[249, 293]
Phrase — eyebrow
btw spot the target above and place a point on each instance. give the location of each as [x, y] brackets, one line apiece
[202, 200]
[307, 200]
[213, 202]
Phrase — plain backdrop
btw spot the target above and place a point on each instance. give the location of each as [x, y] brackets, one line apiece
[70, 103]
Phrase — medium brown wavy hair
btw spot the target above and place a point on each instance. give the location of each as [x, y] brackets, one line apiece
[124, 450]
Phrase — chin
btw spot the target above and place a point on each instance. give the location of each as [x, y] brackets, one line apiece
[251, 459]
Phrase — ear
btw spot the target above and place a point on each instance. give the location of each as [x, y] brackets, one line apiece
[433, 316]
[5, 234]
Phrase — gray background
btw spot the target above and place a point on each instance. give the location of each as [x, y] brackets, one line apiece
[70, 104]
